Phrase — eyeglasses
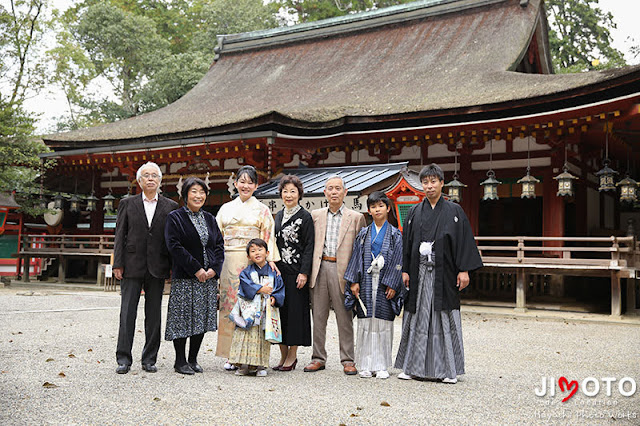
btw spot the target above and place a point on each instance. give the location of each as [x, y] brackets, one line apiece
[150, 176]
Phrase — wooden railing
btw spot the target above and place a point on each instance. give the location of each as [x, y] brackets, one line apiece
[614, 257]
[63, 247]
[599, 252]
[67, 244]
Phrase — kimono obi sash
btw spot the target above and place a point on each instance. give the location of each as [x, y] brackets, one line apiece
[237, 237]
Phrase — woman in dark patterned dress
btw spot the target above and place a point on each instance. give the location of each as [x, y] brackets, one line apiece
[197, 250]
[294, 238]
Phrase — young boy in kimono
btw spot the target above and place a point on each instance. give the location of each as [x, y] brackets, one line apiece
[374, 281]
[249, 348]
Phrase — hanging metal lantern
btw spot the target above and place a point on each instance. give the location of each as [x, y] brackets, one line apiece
[57, 202]
[528, 186]
[606, 176]
[565, 183]
[74, 203]
[490, 186]
[91, 202]
[108, 202]
[454, 188]
[528, 182]
[565, 179]
[43, 203]
[628, 188]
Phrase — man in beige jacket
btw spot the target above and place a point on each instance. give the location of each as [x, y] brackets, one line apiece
[336, 228]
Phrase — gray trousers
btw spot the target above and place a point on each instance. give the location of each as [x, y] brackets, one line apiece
[326, 294]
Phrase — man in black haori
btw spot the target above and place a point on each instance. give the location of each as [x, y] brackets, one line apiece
[439, 251]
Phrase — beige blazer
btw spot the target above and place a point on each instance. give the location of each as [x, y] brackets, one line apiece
[350, 225]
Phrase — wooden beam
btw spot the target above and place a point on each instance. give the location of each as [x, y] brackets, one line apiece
[61, 269]
[631, 296]
[616, 294]
[521, 291]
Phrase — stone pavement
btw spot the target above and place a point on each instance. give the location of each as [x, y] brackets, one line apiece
[57, 366]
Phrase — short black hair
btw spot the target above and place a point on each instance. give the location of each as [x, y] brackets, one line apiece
[189, 182]
[250, 171]
[431, 170]
[293, 180]
[375, 197]
[257, 242]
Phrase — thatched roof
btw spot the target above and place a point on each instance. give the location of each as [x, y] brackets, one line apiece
[422, 59]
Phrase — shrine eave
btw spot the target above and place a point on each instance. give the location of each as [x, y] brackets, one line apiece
[467, 126]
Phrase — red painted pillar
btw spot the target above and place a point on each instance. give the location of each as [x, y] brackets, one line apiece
[470, 195]
[553, 210]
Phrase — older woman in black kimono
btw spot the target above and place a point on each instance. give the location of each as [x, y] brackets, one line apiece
[197, 250]
[294, 238]
[438, 252]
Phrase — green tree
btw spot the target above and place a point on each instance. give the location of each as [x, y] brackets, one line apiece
[230, 17]
[150, 51]
[124, 48]
[579, 36]
[21, 75]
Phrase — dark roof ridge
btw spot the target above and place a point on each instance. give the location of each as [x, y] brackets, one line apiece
[239, 42]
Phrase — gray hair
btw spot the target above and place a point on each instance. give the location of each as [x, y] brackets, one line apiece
[148, 164]
[335, 177]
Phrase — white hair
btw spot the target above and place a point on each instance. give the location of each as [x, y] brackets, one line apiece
[148, 164]
[334, 177]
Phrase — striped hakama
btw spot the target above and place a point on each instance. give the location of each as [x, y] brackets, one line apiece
[431, 343]
[374, 339]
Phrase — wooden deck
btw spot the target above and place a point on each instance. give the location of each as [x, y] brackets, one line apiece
[615, 257]
[62, 247]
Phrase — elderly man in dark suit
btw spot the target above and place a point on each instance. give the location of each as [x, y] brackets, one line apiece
[141, 261]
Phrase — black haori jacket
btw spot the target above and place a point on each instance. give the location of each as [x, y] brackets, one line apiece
[455, 250]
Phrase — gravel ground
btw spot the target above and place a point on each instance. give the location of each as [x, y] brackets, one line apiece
[57, 366]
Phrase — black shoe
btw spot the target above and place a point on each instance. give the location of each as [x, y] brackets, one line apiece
[123, 369]
[150, 368]
[196, 367]
[184, 369]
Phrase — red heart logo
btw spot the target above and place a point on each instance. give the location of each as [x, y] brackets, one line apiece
[570, 385]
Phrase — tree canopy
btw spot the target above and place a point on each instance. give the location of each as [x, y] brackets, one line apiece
[580, 37]
[22, 74]
[150, 52]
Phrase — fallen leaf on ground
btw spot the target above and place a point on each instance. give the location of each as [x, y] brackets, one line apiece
[89, 350]
[49, 385]
[61, 374]
[156, 399]
[385, 404]
[353, 415]
[49, 360]
[72, 356]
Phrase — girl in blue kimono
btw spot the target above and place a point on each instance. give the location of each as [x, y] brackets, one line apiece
[249, 348]
[374, 278]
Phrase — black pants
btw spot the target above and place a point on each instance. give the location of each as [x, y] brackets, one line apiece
[130, 289]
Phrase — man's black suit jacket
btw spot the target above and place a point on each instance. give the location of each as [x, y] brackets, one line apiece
[138, 247]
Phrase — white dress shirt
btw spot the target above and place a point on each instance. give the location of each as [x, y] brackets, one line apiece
[149, 206]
